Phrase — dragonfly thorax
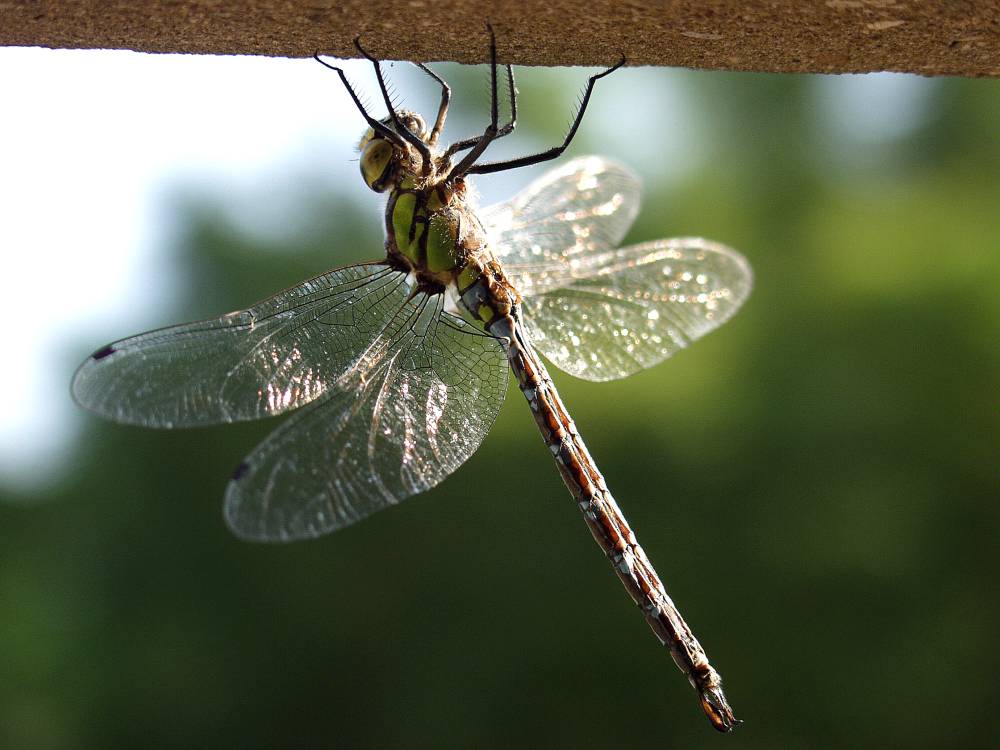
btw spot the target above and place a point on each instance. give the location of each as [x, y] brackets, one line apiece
[431, 230]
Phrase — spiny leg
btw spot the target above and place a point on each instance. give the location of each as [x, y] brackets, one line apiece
[374, 124]
[442, 109]
[555, 151]
[491, 130]
[410, 137]
[505, 129]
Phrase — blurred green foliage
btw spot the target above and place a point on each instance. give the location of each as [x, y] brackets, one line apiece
[817, 484]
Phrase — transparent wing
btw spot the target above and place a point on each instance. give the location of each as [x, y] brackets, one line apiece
[630, 308]
[276, 356]
[563, 218]
[414, 407]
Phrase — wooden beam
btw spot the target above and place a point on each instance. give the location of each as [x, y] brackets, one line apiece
[931, 37]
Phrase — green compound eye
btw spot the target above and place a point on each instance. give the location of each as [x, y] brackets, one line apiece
[369, 134]
[377, 165]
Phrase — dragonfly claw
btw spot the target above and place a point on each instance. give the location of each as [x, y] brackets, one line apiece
[716, 708]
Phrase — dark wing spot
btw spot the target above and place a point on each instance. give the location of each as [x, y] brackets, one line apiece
[241, 470]
[105, 352]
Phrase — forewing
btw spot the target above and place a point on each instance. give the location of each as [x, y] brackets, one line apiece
[278, 355]
[631, 308]
[561, 220]
[416, 405]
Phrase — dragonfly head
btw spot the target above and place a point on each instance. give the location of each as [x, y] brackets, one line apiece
[380, 160]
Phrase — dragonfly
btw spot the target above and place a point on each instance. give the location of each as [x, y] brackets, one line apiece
[396, 369]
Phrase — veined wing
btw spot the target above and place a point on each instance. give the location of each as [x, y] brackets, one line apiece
[415, 405]
[278, 355]
[630, 308]
[566, 216]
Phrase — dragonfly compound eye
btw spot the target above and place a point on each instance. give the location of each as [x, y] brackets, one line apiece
[377, 164]
[366, 139]
[414, 123]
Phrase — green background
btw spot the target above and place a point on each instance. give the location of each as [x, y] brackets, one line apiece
[816, 482]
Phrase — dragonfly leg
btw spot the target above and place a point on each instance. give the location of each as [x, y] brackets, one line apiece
[505, 129]
[491, 131]
[412, 138]
[555, 151]
[378, 127]
[442, 108]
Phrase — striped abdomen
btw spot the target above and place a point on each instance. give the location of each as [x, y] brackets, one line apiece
[606, 522]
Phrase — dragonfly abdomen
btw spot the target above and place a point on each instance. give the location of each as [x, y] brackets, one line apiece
[606, 522]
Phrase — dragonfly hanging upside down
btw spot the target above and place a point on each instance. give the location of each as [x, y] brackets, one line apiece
[402, 361]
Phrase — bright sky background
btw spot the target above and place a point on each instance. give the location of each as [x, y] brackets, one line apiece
[91, 143]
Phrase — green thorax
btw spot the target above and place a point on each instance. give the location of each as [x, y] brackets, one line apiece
[425, 229]
[434, 233]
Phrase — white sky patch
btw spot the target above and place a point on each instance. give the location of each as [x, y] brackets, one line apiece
[861, 114]
[654, 121]
[89, 140]
[874, 106]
